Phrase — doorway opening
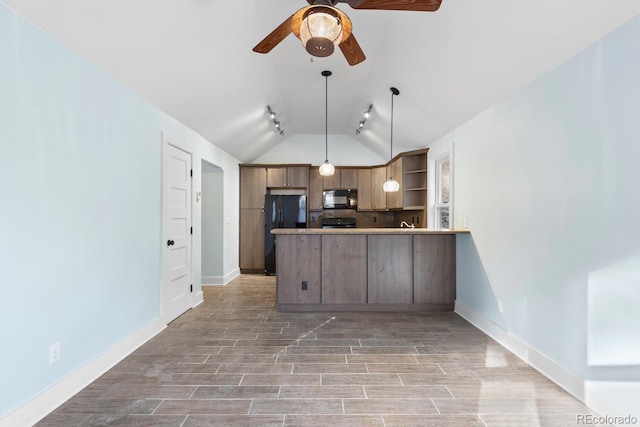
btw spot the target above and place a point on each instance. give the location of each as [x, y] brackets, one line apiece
[212, 227]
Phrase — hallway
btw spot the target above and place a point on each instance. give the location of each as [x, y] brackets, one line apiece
[235, 361]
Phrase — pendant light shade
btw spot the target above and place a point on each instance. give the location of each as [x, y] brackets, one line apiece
[326, 169]
[391, 185]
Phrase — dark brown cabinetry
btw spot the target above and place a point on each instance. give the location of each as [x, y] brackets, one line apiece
[298, 265]
[316, 185]
[255, 180]
[414, 180]
[378, 196]
[342, 178]
[366, 270]
[253, 186]
[289, 176]
[390, 269]
[434, 269]
[344, 269]
[364, 189]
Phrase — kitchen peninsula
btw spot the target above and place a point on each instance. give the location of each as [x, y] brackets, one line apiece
[365, 269]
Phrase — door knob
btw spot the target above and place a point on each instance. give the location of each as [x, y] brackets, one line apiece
[170, 242]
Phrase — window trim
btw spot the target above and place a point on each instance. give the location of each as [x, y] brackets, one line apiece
[442, 155]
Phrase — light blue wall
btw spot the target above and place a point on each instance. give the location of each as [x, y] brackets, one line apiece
[549, 183]
[80, 209]
[212, 223]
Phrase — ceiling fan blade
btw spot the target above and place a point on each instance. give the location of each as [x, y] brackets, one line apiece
[352, 50]
[414, 5]
[275, 37]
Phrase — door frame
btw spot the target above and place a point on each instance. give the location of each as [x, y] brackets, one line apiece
[167, 141]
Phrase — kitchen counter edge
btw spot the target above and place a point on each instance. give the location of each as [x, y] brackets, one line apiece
[295, 231]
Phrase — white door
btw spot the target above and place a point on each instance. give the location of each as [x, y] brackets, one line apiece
[177, 231]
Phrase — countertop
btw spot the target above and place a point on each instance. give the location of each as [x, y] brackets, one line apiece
[346, 230]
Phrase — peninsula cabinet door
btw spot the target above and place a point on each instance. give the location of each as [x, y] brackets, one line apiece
[344, 269]
[434, 269]
[390, 269]
[298, 269]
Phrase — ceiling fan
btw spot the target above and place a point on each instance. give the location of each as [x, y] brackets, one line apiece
[321, 26]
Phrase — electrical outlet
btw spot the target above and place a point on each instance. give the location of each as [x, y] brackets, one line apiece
[54, 353]
[500, 306]
[305, 285]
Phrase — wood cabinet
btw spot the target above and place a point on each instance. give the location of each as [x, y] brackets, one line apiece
[298, 266]
[344, 269]
[316, 185]
[253, 187]
[252, 240]
[288, 176]
[366, 270]
[342, 178]
[364, 189]
[414, 177]
[390, 269]
[378, 196]
[394, 170]
[434, 269]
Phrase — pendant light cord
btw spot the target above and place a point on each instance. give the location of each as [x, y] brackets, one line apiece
[394, 91]
[391, 139]
[326, 116]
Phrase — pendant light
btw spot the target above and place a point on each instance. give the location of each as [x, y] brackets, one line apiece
[326, 169]
[391, 185]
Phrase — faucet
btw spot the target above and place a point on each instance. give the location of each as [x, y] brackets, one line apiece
[405, 224]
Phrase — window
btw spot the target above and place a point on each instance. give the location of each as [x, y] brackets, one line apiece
[442, 192]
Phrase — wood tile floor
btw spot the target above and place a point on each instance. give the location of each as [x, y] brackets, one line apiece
[235, 361]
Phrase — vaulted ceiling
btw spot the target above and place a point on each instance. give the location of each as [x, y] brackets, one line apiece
[193, 59]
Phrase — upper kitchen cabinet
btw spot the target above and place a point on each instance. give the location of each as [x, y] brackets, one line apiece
[378, 196]
[364, 189]
[253, 186]
[342, 178]
[394, 198]
[316, 185]
[295, 176]
[414, 180]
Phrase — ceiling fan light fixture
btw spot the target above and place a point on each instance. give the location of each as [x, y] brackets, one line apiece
[321, 31]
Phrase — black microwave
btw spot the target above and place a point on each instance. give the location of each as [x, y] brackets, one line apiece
[340, 199]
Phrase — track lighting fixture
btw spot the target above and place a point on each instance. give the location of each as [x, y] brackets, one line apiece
[365, 116]
[276, 123]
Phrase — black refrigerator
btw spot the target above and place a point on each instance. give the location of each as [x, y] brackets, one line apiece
[281, 211]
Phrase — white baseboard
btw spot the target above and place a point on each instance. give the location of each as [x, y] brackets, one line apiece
[43, 404]
[220, 280]
[198, 299]
[614, 398]
[566, 379]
